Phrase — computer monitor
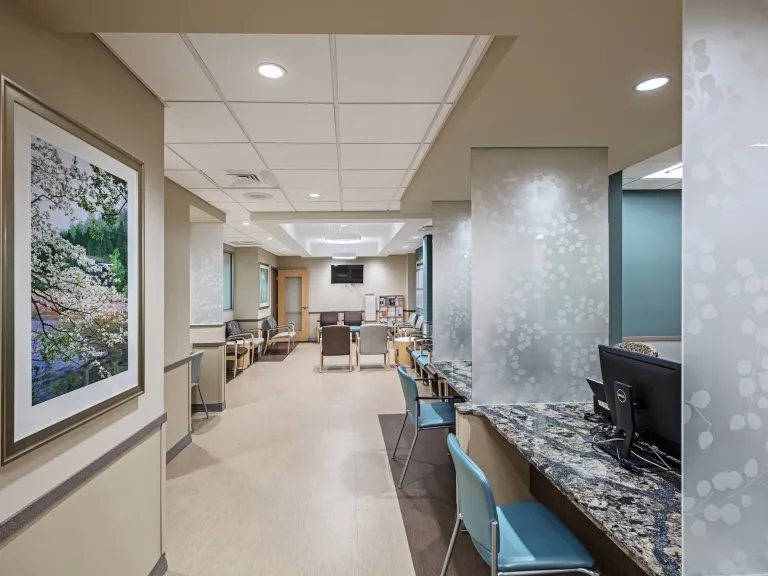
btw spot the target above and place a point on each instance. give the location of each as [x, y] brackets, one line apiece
[656, 391]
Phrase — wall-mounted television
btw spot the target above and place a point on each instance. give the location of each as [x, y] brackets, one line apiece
[347, 274]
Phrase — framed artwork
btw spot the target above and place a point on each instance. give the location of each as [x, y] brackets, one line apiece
[71, 255]
[263, 285]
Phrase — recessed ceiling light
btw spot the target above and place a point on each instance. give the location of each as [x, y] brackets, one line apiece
[673, 172]
[652, 84]
[246, 223]
[343, 238]
[416, 237]
[271, 71]
[760, 145]
[284, 248]
[314, 195]
[344, 256]
[269, 238]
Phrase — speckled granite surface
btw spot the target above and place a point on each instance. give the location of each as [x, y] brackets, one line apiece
[642, 514]
[459, 374]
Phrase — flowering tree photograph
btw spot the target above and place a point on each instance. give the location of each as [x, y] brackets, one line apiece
[79, 272]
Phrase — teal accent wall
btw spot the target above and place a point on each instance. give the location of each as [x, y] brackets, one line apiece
[652, 263]
[424, 263]
[615, 217]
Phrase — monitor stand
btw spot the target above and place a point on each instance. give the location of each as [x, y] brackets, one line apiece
[625, 428]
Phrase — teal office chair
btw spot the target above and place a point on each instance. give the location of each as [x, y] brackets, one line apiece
[523, 538]
[424, 416]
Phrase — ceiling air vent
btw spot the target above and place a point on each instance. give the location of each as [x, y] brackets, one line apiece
[244, 243]
[426, 228]
[257, 196]
[244, 179]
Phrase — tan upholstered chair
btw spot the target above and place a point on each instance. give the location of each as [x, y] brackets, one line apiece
[335, 342]
[373, 340]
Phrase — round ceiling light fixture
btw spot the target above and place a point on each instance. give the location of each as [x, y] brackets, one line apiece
[652, 84]
[343, 238]
[314, 195]
[271, 71]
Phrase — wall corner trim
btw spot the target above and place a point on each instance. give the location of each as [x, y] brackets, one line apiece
[161, 567]
[44, 503]
[178, 447]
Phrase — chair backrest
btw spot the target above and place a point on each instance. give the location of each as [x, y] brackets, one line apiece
[373, 339]
[335, 341]
[197, 360]
[412, 318]
[419, 322]
[353, 318]
[233, 328]
[638, 347]
[329, 319]
[271, 322]
[477, 505]
[410, 391]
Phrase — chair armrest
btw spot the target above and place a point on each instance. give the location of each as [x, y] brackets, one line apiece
[241, 334]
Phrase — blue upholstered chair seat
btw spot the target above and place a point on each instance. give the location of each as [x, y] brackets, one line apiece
[432, 414]
[532, 538]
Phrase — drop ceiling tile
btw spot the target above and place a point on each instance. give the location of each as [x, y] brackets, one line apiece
[434, 130]
[303, 195]
[654, 184]
[232, 209]
[268, 206]
[377, 156]
[211, 194]
[164, 63]
[368, 194]
[371, 178]
[288, 122]
[317, 206]
[201, 122]
[395, 206]
[243, 195]
[220, 156]
[233, 61]
[379, 123]
[393, 68]
[300, 156]
[469, 67]
[366, 206]
[411, 174]
[188, 178]
[173, 162]
[298, 179]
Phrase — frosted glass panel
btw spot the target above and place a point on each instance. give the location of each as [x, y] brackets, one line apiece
[725, 287]
[452, 280]
[206, 278]
[293, 302]
[539, 272]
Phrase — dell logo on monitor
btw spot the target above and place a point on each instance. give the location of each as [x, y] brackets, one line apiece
[621, 395]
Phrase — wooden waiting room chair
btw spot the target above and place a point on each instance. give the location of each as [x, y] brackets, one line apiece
[335, 342]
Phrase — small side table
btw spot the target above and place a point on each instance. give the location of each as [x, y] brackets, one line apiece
[402, 357]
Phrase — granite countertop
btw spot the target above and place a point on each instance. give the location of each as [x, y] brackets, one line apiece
[458, 373]
[641, 514]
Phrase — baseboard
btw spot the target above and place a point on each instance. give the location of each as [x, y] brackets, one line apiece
[178, 447]
[219, 407]
[161, 567]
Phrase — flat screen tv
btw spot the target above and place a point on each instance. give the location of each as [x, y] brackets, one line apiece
[347, 274]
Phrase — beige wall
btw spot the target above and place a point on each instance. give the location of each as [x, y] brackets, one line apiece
[381, 276]
[247, 282]
[78, 76]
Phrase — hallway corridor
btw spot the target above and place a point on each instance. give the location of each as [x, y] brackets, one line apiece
[292, 478]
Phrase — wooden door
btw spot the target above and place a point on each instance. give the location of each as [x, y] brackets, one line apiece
[293, 301]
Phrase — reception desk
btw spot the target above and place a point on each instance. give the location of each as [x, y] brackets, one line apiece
[632, 525]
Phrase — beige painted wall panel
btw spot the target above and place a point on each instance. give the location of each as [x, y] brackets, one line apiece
[177, 401]
[78, 76]
[111, 525]
[206, 334]
[176, 272]
[381, 276]
[247, 282]
[212, 376]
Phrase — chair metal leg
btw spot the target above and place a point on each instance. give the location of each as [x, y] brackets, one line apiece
[205, 407]
[408, 460]
[399, 435]
[451, 545]
[494, 548]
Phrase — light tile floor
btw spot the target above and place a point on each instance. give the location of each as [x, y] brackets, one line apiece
[292, 478]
